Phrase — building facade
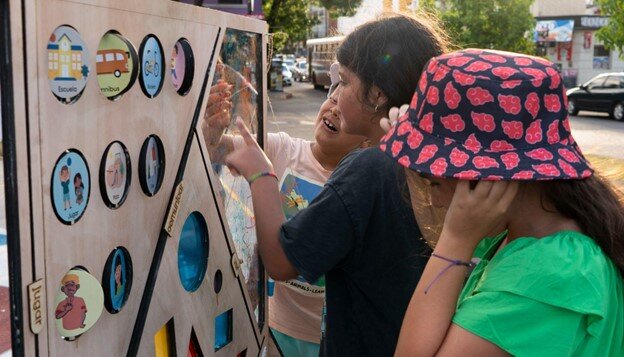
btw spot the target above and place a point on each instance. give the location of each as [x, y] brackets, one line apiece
[565, 33]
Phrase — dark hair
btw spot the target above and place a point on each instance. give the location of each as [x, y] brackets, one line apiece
[597, 208]
[78, 176]
[390, 53]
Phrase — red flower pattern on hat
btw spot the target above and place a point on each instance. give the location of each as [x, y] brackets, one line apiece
[511, 84]
[396, 148]
[433, 95]
[540, 154]
[472, 144]
[404, 128]
[467, 175]
[404, 160]
[488, 115]
[458, 61]
[494, 58]
[568, 155]
[479, 96]
[453, 122]
[483, 121]
[523, 175]
[451, 96]
[414, 139]
[567, 168]
[532, 104]
[509, 103]
[463, 78]
[478, 66]
[523, 61]
[552, 103]
[547, 170]
[427, 153]
[534, 132]
[441, 73]
[501, 145]
[513, 129]
[484, 162]
[426, 124]
[510, 160]
[458, 157]
[553, 132]
[504, 72]
[555, 78]
[439, 166]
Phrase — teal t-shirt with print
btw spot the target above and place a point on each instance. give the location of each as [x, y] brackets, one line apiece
[555, 296]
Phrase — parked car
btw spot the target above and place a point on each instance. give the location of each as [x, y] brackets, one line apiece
[301, 71]
[603, 93]
[287, 75]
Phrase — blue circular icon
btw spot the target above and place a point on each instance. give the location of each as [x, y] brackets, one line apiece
[152, 66]
[117, 279]
[193, 252]
[70, 186]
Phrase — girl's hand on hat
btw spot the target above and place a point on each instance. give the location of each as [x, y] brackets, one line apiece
[393, 116]
[249, 159]
[475, 213]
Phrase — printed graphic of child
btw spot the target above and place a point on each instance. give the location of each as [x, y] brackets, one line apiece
[78, 188]
[73, 309]
[64, 177]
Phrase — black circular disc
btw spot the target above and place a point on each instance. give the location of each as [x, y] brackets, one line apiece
[151, 165]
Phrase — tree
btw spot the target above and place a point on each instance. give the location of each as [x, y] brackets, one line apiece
[613, 34]
[495, 24]
[292, 17]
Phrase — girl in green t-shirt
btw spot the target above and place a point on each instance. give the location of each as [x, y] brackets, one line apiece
[489, 132]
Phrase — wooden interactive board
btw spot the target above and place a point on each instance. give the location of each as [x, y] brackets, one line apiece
[124, 238]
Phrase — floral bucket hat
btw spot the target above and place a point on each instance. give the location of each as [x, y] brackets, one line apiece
[488, 115]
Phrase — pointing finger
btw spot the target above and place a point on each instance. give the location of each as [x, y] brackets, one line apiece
[249, 140]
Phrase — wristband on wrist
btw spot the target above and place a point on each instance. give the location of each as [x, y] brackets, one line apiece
[452, 262]
[258, 175]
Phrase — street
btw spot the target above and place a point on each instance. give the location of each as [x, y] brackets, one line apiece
[596, 133]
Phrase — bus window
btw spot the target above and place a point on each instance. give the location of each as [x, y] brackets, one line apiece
[321, 54]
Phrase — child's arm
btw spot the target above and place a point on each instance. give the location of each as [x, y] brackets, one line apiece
[247, 161]
[427, 328]
[216, 119]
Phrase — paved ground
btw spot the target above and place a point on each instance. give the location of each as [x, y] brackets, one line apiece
[295, 115]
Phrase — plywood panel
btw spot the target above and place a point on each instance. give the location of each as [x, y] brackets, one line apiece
[90, 125]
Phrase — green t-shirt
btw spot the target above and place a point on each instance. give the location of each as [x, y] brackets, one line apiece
[555, 296]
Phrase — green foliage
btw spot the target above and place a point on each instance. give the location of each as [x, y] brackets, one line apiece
[496, 24]
[613, 34]
[339, 8]
[279, 41]
[292, 17]
[289, 16]
[428, 6]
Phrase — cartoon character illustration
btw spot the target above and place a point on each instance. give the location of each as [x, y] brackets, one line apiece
[78, 188]
[151, 66]
[119, 285]
[64, 177]
[174, 55]
[72, 310]
[116, 172]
